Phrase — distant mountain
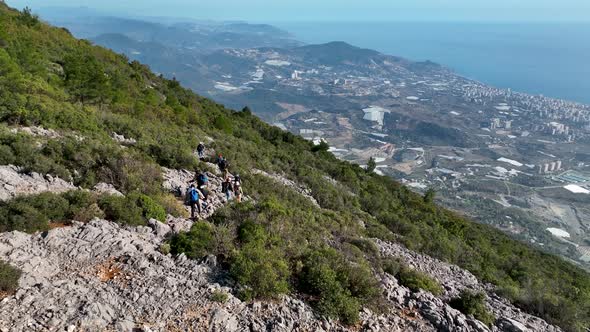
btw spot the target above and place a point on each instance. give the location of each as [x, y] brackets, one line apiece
[200, 36]
[334, 53]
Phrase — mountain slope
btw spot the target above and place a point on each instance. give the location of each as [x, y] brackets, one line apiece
[278, 242]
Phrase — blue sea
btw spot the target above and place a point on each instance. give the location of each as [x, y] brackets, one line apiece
[552, 59]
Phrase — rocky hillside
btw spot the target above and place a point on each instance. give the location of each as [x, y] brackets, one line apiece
[100, 275]
[94, 234]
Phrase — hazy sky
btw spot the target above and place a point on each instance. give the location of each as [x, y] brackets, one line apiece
[340, 10]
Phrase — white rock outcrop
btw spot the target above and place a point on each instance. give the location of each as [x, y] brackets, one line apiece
[14, 183]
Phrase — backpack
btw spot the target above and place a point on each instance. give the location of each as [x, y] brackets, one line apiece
[237, 186]
[226, 186]
[202, 179]
[192, 196]
[223, 164]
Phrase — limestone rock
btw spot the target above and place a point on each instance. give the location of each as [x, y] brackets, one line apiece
[105, 188]
[14, 183]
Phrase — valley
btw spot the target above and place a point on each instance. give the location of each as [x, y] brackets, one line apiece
[508, 159]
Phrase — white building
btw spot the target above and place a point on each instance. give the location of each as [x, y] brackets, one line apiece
[375, 114]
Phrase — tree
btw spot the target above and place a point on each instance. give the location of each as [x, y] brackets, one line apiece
[246, 110]
[429, 196]
[28, 18]
[85, 77]
[323, 146]
[371, 165]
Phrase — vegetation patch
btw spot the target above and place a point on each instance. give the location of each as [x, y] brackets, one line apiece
[416, 280]
[219, 296]
[9, 277]
[473, 304]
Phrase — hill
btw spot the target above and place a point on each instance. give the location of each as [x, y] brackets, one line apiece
[313, 231]
[334, 53]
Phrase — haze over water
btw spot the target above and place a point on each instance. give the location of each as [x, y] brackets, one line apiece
[552, 59]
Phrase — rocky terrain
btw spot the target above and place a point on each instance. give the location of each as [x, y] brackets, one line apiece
[103, 276]
[14, 183]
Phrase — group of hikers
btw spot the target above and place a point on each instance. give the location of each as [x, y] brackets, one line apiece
[197, 195]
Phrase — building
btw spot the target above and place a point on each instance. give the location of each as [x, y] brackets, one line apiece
[495, 123]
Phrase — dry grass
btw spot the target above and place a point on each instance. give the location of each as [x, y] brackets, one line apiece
[109, 270]
[54, 225]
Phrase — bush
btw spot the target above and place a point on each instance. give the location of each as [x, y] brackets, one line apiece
[197, 243]
[151, 209]
[122, 210]
[219, 296]
[223, 124]
[53, 207]
[392, 266]
[473, 304]
[9, 276]
[19, 215]
[134, 209]
[86, 214]
[33, 213]
[171, 205]
[416, 280]
[319, 279]
[165, 248]
[260, 272]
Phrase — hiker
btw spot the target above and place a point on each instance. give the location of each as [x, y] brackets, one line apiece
[222, 163]
[237, 187]
[201, 150]
[205, 194]
[192, 200]
[202, 179]
[226, 187]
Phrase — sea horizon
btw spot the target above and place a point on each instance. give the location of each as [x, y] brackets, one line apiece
[539, 58]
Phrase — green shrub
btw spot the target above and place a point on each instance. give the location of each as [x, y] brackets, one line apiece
[52, 206]
[83, 206]
[165, 248]
[19, 215]
[86, 214]
[151, 209]
[219, 296]
[416, 280]
[473, 304]
[172, 205]
[260, 272]
[319, 279]
[393, 266]
[223, 124]
[9, 277]
[122, 210]
[251, 232]
[197, 243]
[33, 213]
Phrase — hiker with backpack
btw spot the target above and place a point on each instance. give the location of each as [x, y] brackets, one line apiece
[201, 151]
[226, 187]
[202, 179]
[237, 187]
[222, 163]
[192, 200]
[205, 194]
